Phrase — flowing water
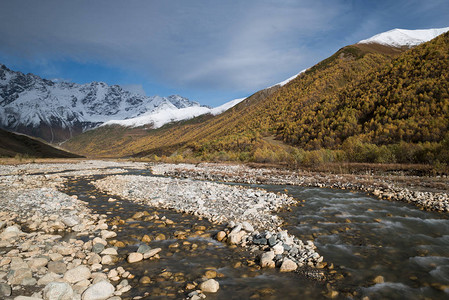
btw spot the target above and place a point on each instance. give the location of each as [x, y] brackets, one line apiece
[187, 259]
[367, 237]
[380, 249]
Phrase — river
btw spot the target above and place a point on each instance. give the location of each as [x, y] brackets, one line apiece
[379, 249]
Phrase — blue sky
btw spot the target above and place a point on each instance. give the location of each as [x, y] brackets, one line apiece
[210, 51]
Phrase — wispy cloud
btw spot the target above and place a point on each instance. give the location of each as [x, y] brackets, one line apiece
[222, 45]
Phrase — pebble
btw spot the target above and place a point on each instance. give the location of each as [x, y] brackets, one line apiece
[266, 259]
[221, 235]
[143, 248]
[288, 266]
[151, 253]
[134, 257]
[98, 248]
[58, 291]
[145, 280]
[379, 279]
[57, 267]
[209, 286]
[77, 274]
[99, 291]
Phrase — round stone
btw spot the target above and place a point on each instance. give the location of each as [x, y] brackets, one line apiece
[210, 286]
[135, 257]
[288, 265]
[97, 248]
[221, 235]
[99, 291]
[77, 274]
[145, 280]
[58, 291]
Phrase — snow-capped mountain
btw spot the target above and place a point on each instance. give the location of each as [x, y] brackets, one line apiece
[404, 37]
[56, 111]
[395, 38]
[162, 117]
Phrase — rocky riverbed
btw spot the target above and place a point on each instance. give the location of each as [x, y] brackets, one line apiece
[51, 245]
[414, 190]
[248, 213]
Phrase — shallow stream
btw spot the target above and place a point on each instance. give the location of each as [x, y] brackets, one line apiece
[366, 238]
[184, 260]
[380, 249]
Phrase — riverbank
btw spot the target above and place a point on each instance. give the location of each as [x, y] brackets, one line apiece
[425, 192]
[52, 246]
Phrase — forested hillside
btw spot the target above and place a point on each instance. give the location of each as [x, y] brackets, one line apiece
[367, 102]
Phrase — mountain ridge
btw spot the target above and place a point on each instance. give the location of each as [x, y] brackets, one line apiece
[404, 37]
[308, 103]
[56, 111]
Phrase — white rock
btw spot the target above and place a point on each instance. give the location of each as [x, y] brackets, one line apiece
[10, 232]
[266, 260]
[58, 291]
[247, 226]
[109, 251]
[288, 265]
[112, 273]
[47, 278]
[236, 229]
[37, 263]
[134, 257]
[98, 240]
[151, 253]
[77, 274]
[70, 221]
[106, 234]
[278, 249]
[236, 238]
[209, 286]
[99, 291]
[107, 260]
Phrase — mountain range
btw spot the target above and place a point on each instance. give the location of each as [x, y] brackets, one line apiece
[57, 111]
[383, 99]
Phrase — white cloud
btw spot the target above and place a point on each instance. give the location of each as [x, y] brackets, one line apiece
[242, 45]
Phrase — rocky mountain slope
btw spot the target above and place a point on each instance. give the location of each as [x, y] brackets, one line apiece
[56, 111]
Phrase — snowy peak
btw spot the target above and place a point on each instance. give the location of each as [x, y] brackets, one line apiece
[181, 102]
[56, 111]
[159, 118]
[404, 37]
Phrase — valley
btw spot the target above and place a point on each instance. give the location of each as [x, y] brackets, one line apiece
[331, 184]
